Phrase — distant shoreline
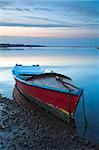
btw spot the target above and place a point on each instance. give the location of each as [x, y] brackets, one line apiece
[19, 45]
[23, 45]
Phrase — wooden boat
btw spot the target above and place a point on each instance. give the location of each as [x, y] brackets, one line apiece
[52, 91]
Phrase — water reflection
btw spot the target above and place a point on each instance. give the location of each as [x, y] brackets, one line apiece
[82, 65]
[52, 122]
[49, 56]
[6, 82]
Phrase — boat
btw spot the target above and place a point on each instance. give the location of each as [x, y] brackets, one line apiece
[50, 90]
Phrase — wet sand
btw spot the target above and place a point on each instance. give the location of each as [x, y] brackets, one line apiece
[24, 126]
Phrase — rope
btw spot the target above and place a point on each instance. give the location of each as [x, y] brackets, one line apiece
[86, 123]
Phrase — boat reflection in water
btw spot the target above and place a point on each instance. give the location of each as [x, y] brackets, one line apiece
[40, 116]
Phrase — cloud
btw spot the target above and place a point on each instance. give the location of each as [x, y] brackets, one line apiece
[33, 25]
[82, 14]
[15, 9]
[85, 9]
[12, 9]
[44, 19]
[26, 9]
[44, 9]
[76, 14]
[5, 3]
[19, 9]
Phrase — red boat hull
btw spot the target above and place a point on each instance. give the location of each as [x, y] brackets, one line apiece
[56, 99]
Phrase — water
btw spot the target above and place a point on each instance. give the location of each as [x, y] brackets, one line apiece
[81, 64]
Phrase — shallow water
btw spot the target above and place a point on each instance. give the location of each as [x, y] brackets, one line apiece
[81, 64]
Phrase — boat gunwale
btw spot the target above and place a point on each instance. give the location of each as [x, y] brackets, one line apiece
[78, 93]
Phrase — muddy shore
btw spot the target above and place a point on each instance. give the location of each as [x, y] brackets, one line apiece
[24, 126]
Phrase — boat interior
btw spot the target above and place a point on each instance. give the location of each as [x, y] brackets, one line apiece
[53, 80]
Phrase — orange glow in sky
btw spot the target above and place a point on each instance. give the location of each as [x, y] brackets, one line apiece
[33, 18]
[46, 32]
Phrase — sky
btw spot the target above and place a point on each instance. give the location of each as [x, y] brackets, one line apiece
[49, 18]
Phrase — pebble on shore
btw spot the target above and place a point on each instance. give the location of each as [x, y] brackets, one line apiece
[24, 126]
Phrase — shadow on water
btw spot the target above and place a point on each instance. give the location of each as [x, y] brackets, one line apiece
[51, 121]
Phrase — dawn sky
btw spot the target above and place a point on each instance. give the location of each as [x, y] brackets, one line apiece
[52, 18]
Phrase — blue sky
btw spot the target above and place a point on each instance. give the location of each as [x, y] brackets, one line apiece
[49, 18]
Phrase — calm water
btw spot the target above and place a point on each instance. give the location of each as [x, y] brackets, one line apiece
[81, 64]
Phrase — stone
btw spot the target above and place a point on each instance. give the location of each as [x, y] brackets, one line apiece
[2, 127]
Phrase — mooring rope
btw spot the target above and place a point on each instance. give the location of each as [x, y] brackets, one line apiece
[85, 119]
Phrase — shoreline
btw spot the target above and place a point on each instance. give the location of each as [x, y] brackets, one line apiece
[2, 45]
[24, 125]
